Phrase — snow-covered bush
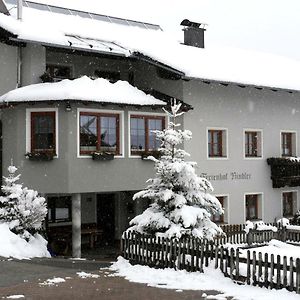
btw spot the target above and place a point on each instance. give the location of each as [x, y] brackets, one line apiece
[21, 208]
[181, 203]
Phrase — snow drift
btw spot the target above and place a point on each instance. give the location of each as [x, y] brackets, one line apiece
[12, 245]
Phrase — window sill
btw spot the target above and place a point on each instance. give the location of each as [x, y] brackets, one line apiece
[253, 157]
[217, 157]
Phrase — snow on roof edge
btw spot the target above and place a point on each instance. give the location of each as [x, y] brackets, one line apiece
[82, 89]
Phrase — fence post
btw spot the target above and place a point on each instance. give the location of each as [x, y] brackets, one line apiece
[237, 263]
[272, 271]
[248, 268]
[278, 277]
[298, 276]
[266, 273]
[284, 272]
[216, 257]
[291, 288]
[254, 267]
[249, 237]
[231, 263]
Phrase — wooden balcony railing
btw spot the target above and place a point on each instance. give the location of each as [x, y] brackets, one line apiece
[284, 171]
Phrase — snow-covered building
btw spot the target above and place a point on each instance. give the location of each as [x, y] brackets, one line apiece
[245, 109]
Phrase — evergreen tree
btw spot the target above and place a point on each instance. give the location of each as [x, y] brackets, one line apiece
[21, 208]
[181, 203]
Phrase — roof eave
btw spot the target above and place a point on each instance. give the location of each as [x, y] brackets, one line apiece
[240, 84]
[8, 104]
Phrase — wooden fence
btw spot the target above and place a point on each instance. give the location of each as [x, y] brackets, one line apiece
[261, 269]
[241, 265]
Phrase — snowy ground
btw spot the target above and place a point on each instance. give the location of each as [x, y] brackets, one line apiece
[211, 279]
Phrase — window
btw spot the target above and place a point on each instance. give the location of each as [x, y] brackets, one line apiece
[217, 218]
[142, 137]
[253, 142]
[99, 132]
[109, 75]
[216, 143]
[288, 143]
[59, 209]
[253, 205]
[43, 131]
[288, 204]
[59, 72]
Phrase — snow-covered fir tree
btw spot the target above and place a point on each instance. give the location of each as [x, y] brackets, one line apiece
[22, 208]
[181, 201]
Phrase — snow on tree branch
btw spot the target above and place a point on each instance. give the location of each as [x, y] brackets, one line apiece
[181, 203]
[21, 208]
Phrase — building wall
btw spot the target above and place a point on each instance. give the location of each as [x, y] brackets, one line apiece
[145, 75]
[235, 109]
[33, 63]
[8, 68]
[69, 173]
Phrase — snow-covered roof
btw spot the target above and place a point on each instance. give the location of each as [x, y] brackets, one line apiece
[218, 64]
[83, 89]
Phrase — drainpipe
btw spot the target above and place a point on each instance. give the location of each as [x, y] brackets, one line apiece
[19, 48]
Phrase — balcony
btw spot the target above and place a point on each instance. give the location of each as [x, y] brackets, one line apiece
[284, 171]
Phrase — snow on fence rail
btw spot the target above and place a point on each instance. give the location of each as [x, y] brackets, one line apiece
[193, 254]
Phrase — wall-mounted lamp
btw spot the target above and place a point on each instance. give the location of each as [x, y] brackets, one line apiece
[68, 106]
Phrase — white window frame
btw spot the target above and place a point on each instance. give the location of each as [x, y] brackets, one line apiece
[261, 194]
[105, 111]
[226, 143]
[28, 127]
[280, 139]
[261, 144]
[227, 208]
[137, 113]
[296, 200]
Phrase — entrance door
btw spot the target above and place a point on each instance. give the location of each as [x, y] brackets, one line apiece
[106, 216]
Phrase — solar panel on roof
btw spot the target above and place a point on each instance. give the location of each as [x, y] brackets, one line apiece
[118, 21]
[84, 14]
[37, 6]
[137, 24]
[59, 10]
[152, 26]
[80, 13]
[11, 1]
[100, 18]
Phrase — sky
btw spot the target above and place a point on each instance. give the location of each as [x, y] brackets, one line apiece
[263, 25]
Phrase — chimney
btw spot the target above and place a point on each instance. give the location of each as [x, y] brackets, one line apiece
[20, 9]
[193, 33]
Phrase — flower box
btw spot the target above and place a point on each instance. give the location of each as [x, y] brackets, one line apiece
[40, 156]
[103, 156]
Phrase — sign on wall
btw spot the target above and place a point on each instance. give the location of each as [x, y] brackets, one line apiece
[227, 176]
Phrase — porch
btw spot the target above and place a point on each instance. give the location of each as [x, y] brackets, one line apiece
[89, 225]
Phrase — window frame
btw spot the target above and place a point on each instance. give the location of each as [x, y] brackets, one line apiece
[120, 130]
[145, 116]
[259, 206]
[259, 144]
[29, 129]
[294, 202]
[224, 143]
[293, 142]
